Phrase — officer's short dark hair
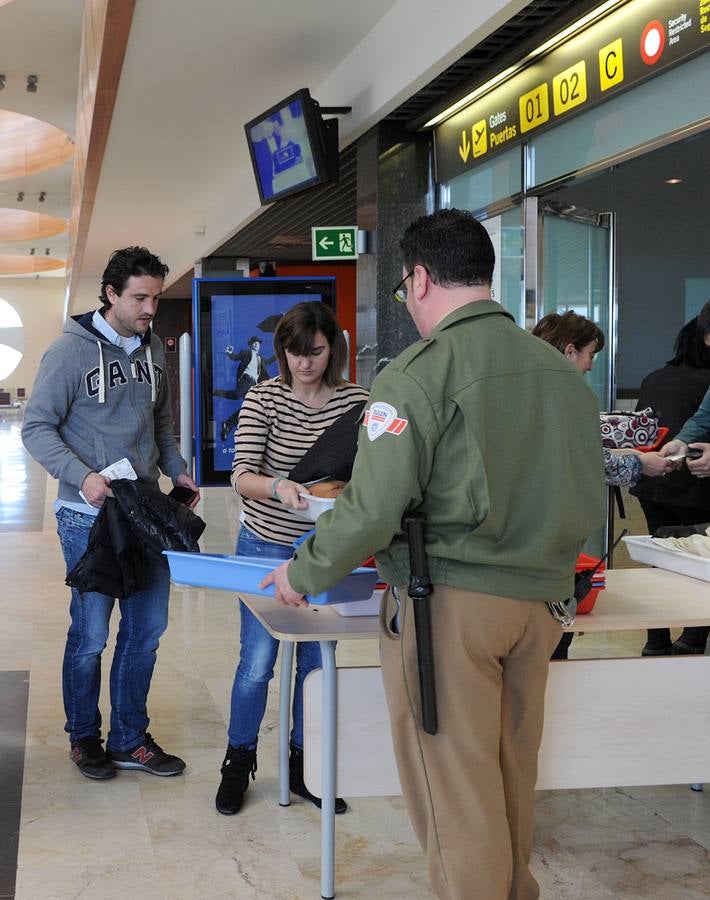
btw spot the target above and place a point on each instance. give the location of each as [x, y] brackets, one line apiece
[130, 261]
[453, 247]
[296, 331]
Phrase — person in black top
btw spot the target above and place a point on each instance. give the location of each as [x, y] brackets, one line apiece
[675, 392]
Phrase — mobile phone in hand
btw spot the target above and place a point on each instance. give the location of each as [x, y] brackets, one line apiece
[183, 494]
[694, 453]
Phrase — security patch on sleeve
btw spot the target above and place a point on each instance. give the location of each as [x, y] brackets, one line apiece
[381, 418]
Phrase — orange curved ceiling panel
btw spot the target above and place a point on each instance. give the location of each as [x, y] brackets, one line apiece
[26, 225]
[29, 145]
[14, 264]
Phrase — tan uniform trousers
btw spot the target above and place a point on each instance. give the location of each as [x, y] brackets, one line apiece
[469, 789]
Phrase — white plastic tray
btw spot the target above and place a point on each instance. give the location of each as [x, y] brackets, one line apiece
[644, 549]
[369, 607]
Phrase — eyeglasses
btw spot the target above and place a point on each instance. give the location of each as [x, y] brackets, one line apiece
[400, 292]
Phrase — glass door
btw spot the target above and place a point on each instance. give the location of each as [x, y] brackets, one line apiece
[574, 270]
[575, 273]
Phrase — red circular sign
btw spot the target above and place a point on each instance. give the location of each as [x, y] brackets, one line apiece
[653, 40]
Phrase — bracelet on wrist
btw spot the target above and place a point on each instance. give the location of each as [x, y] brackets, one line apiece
[274, 485]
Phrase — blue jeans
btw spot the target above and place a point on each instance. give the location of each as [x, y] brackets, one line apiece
[144, 618]
[257, 657]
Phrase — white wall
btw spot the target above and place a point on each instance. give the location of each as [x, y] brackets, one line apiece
[39, 302]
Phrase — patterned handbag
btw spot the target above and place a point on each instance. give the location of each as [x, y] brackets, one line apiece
[638, 429]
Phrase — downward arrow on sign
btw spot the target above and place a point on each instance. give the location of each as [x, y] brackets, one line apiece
[464, 146]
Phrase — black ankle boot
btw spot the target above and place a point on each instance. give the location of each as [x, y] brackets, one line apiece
[658, 643]
[297, 786]
[238, 765]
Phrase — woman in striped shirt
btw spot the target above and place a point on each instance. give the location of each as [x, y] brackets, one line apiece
[279, 421]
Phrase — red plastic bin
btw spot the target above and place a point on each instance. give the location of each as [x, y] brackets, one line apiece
[585, 562]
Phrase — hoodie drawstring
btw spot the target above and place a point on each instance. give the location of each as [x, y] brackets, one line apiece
[151, 373]
[102, 379]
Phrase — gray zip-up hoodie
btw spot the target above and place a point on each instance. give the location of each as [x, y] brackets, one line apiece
[92, 404]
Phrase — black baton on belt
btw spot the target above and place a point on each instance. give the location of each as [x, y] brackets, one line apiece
[420, 590]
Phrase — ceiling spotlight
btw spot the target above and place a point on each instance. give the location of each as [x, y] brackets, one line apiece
[46, 251]
[42, 196]
[32, 83]
[674, 181]
[32, 251]
[20, 196]
[2, 82]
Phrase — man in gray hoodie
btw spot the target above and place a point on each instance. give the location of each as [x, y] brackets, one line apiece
[101, 396]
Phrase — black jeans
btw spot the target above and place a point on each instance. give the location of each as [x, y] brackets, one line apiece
[658, 515]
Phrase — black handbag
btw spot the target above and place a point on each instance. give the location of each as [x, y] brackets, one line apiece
[333, 453]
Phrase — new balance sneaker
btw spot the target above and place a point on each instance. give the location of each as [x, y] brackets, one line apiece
[148, 757]
[91, 759]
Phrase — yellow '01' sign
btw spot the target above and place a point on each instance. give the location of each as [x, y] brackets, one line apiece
[534, 108]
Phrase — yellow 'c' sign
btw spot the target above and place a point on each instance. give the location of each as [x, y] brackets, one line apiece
[611, 65]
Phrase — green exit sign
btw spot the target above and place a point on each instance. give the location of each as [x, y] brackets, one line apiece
[333, 242]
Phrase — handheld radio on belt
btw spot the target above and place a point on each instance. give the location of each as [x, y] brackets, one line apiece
[420, 590]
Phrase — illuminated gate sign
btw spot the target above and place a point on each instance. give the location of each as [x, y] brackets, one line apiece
[633, 43]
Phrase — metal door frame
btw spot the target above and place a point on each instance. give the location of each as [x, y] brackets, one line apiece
[534, 209]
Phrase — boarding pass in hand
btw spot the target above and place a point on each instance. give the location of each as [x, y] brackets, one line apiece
[122, 468]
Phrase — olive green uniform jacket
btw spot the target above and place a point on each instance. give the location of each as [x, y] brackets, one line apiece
[494, 436]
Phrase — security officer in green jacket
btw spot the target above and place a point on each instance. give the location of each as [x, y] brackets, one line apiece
[493, 436]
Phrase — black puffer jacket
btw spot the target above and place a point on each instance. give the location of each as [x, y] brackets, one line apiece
[129, 533]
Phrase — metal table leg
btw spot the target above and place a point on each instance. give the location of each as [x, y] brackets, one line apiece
[328, 771]
[285, 720]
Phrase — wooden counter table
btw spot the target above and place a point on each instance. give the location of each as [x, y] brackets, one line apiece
[608, 722]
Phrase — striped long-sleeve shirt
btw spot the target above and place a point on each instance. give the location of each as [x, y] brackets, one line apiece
[275, 430]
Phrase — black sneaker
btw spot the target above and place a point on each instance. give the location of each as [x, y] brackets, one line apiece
[89, 755]
[148, 757]
[239, 763]
[652, 648]
[684, 647]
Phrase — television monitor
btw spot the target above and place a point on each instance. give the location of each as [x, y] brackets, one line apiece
[234, 320]
[292, 147]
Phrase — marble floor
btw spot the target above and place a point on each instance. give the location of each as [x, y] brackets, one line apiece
[144, 837]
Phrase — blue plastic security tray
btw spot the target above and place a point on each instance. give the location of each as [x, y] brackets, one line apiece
[243, 573]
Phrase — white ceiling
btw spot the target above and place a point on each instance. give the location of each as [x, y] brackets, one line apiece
[193, 74]
[176, 174]
[177, 162]
[41, 38]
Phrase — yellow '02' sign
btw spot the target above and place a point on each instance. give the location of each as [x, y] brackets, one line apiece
[569, 88]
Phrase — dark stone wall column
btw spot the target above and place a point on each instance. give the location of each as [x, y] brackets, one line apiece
[394, 186]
